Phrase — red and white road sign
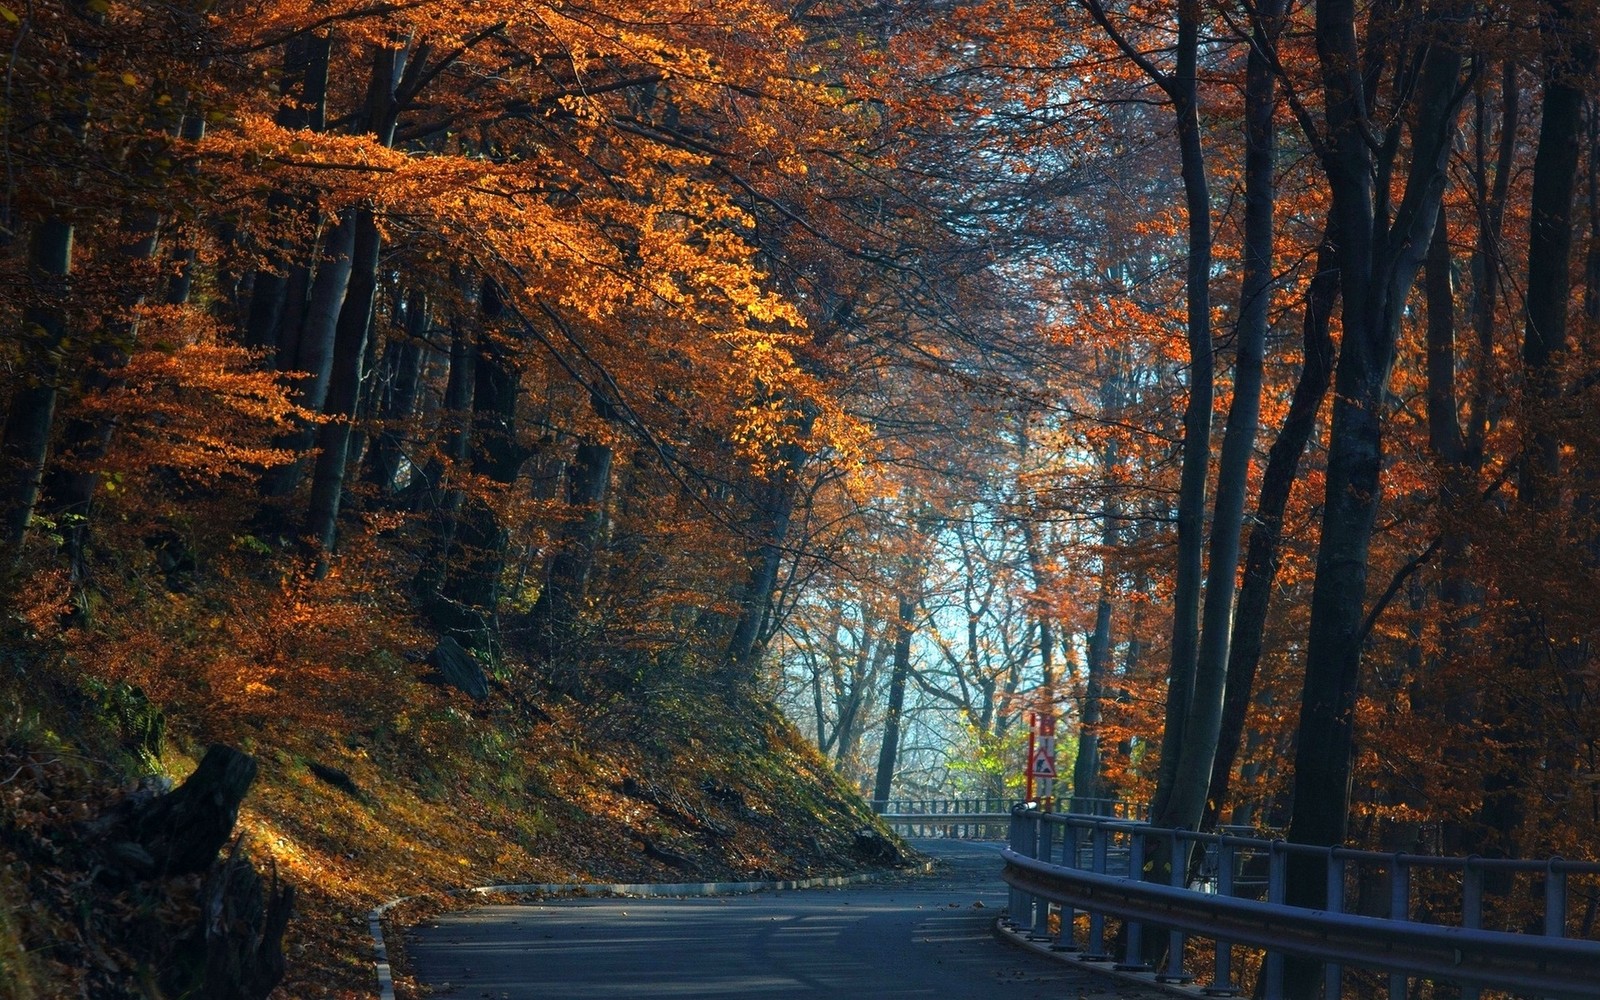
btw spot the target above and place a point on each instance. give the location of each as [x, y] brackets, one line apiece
[1044, 766]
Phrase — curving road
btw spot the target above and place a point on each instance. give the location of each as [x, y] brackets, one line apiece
[927, 936]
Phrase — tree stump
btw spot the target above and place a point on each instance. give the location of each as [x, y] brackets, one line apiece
[183, 831]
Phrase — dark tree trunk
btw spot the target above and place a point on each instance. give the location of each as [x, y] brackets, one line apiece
[85, 440]
[1568, 61]
[1555, 171]
[192, 130]
[342, 369]
[770, 526]
[889, 751]
[1183, 89]
[25, 438]
[402, 368]
[315, 347]
[1379, 258]
[1487, 260]
[25, 441]
[1087, 771]
[344, 391]
[1263, 554]
[304, 82]
[1185, 803]
[555, 616]
[432, 491]
[469, 597]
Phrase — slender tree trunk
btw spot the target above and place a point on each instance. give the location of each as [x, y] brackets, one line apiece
[353, 327]
[1263, 556]
[771, 525]
[1184, 92]
[402, 368]
[304, 82]
[344, 392]
[1458, 460]
[889, 752]
[1555, 171]
[434, 489]
[315, 346]
[469, 598]
[1568, 61]
[1487, 258]
[25, 440]
[1185, 803]
[557, 612]
[1087, 781]
[178, 291]
[85, 440]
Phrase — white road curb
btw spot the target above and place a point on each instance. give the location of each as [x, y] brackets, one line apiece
[381, 952]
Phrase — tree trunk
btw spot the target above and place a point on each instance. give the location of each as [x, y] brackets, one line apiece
[1185, 801]
[342, 370]
[1555, 170]
[432, 490]
[304, 83]
[1193, 476]
[771, 520]
[1263, 555]
[1568, 62]
[315, 346]
[467, 602]
[25, 441]
[344, 392]
[889, 752]
[557, 613]
[25, 438]
[1087, 782]
[402, 368]
[1378, 262]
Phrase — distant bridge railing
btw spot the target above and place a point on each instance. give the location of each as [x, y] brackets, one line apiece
[976, 817]
[1060, 865]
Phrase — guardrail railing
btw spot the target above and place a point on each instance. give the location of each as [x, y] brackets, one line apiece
[1408, 916]
[975, 817]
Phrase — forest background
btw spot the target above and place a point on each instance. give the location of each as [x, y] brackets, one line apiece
[1218, 373]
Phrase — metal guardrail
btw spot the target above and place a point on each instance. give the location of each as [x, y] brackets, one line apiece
[981, 817]
[1073, 863]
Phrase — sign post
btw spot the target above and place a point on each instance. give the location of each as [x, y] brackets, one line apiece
[1041, 767]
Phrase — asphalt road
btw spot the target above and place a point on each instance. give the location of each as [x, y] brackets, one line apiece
[927, 936]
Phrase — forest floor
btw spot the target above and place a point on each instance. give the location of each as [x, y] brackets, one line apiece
[375, 781]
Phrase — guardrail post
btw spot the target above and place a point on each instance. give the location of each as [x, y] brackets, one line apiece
[1399, 909]
[1555, 900]
[1014, 841]
[1178, 878]
[1040, 931]
[1097, 920]
[1333, 972]
[1222, 967]
[1277, 872]
[1066, 935]
[1133, 930]
[1472, 910]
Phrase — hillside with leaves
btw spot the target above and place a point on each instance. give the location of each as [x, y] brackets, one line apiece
[375, 780]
